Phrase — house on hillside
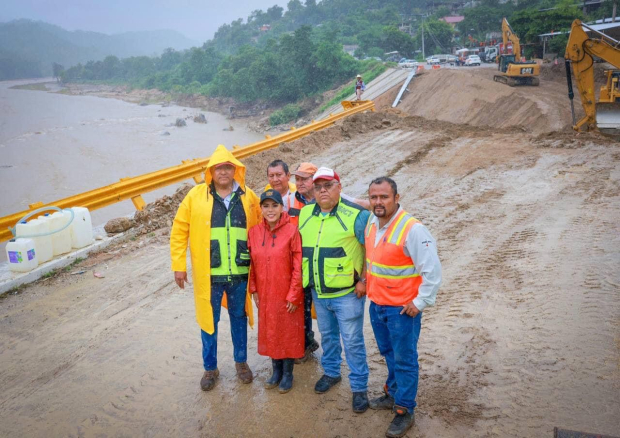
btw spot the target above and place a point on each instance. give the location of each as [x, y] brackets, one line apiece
[265, 28]
[452, 20]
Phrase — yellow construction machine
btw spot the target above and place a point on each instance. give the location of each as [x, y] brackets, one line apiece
[580, 52]
[512, 71]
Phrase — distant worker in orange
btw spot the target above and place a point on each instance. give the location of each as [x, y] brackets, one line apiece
[360, 87]
[403, 274]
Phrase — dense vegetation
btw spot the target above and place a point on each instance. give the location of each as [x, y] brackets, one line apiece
[28, 48]
[283, 56]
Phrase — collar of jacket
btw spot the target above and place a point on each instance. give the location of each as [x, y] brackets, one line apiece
[317, 209]
[302, 199]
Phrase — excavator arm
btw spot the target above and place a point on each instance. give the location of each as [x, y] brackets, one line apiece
[580, 50]
[509, 36]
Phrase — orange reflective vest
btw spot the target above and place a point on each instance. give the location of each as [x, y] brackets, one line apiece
[391, 276]
[295, 209]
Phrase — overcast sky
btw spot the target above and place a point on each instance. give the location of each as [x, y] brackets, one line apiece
[196, 19]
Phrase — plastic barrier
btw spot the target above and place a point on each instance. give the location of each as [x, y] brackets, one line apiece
[436, 67]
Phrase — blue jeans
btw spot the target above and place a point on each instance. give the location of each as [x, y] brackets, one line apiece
[343, 316]
[235, 294]
[397, 338]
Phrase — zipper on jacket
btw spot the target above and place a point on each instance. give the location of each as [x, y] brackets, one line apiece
[228, 243]
[315, 262]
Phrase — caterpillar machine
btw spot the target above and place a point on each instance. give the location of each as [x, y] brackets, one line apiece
[512, 71]
[581, 50]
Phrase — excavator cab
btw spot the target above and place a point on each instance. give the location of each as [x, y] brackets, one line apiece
[608, 105]
[504, 60]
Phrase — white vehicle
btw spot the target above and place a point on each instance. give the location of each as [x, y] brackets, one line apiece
[472, 60]
[432, 60]
[408, 63]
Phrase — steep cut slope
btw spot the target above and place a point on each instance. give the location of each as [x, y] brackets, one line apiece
[471, 96]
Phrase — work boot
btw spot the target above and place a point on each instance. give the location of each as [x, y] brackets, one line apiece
[401, 423]
[386, 401]
[360, 402]
[244, 372]
[208, 379]
[286, 384]
[311, 348]
[325, 383]
[275, 378]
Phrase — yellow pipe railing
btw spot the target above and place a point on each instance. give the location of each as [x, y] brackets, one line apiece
[133, 188]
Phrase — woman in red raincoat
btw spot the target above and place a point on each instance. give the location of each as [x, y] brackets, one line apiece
[275, 284]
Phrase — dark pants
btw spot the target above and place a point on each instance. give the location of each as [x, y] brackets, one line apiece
[308, 316]
[397, 338]
[235, 294]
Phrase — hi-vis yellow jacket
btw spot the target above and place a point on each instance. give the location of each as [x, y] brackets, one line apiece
[193, 223]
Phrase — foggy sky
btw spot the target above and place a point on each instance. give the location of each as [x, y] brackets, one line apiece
[196, 19]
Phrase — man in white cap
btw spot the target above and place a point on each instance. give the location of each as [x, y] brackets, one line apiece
[332, 232]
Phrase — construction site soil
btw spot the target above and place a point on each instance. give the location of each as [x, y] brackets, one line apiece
[525, 334]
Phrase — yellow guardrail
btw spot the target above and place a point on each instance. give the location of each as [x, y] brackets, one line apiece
[133, 188]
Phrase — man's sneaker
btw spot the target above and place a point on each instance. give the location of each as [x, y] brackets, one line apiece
[325, 383]
[386, 401]
[312, 347]
[360, 402]
[401, 423]
[244, 372]
[208, 379]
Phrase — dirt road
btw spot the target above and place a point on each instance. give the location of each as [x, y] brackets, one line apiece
[525, 334]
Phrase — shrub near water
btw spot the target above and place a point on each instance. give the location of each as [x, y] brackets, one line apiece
[287, 114]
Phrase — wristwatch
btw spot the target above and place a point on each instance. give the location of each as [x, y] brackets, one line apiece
[363, 280]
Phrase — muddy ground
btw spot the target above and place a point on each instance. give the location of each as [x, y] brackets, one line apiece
[525, 334]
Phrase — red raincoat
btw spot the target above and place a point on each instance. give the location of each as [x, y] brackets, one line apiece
[275, 274]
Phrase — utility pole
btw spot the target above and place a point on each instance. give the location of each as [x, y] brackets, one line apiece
[423, 54]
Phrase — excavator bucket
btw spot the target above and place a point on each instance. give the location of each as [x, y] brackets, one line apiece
[608, 117]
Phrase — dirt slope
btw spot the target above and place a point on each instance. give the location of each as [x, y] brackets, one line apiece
[524, 335]
[471, 96]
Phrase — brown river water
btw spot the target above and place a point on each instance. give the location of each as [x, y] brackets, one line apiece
[53, 145]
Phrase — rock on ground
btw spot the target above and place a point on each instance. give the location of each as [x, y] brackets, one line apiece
[118, 225]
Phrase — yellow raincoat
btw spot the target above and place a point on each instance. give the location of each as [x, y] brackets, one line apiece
[193, 223]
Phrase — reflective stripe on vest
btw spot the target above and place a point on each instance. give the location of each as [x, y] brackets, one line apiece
[391, 275]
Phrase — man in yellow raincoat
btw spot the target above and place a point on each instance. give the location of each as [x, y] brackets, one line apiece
[215, 218]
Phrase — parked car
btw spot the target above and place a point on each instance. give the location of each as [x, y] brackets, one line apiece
[433, 60]
[408, 63]
[472, 60]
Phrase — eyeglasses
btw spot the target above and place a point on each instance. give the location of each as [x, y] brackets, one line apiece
[326, 186]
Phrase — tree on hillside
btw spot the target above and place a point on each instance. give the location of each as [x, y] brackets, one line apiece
[58, 70]
[437, 36]
[530, 23]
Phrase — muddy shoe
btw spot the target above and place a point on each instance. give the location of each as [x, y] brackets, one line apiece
[401, 423]
[244, 372]
[276, 376]
[208, 379]
[325, 383]
[386, 401]
[360, 402]
[286, 384]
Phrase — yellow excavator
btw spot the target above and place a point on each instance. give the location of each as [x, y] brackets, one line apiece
[581, 49]
[512, 71]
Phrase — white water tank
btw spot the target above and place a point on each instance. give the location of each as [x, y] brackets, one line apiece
[21, 255]
[42, 244]
[61, 241]
[81, 228]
